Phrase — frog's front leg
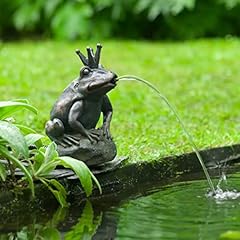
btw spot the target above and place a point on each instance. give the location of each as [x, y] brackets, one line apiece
[107, 116]
[75, 124]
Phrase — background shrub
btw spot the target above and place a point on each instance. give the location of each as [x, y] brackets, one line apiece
[148, 19]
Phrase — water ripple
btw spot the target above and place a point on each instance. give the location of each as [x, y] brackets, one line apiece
[182, 211]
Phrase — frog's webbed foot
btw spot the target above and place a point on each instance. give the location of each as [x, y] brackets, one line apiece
[71, 140]
[68, 141]
[93, 136]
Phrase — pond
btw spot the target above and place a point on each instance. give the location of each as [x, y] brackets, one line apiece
[177, 211]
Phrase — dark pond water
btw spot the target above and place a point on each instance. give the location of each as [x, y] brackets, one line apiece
[179, 211]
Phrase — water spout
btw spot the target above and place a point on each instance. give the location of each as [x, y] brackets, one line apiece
[189, 137]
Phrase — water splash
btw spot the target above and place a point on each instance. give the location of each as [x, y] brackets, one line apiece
[222, 192]
[220, 195]
[189, 137]
[222, 179]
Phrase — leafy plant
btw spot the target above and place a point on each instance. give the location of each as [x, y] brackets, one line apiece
[45, 160]
[35, 161]
[13, 145]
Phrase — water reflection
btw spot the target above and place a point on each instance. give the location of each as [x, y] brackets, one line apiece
[74, 223]
[93, 223]
[179, 211]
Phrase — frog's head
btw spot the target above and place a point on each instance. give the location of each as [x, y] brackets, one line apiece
[94, 79]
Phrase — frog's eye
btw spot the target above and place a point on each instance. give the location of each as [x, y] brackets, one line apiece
[85, 71]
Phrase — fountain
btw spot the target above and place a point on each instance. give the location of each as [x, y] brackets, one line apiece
[75, 114]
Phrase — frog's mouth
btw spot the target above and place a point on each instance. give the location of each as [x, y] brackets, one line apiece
[102, 84]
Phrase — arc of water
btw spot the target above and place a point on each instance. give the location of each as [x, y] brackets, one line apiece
[189, 137]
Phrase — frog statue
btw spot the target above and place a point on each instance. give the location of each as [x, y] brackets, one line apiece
[74, 116]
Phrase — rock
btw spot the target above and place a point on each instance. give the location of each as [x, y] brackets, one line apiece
[93, 154]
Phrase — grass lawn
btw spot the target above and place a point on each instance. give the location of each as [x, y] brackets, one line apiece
[200, 78]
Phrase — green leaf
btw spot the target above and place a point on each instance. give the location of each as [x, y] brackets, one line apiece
[24, 234]
[3, 172]
[50, 233]
[59, 192]
[46, 168]
[44, 165]
[82, 171]
[7, 108]
[24, 129]
[20, 100]
[38, 159]
[96, 182]
[13, 136]
[51, 152]
[58, 186]
[33, 138]
[18, 163]
[49, 162]
[60, 198]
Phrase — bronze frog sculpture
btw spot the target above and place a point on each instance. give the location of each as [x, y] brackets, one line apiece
[74, 116]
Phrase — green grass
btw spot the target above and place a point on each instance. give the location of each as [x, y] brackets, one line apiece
[200, 78]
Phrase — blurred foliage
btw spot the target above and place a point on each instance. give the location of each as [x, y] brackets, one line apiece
[152, 19]
[157, 7]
